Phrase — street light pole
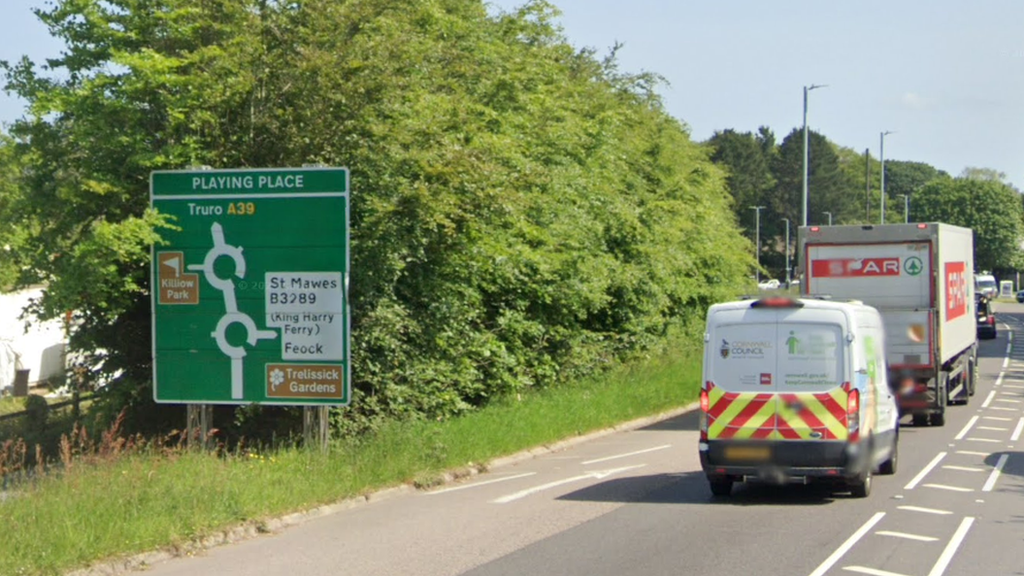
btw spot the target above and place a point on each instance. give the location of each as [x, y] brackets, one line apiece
[788, 276]
[806, 90]
[829, 214]
[906, 207]
[881, 156]
[757, 212]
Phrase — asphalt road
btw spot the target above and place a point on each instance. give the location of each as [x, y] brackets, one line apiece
[636, 503]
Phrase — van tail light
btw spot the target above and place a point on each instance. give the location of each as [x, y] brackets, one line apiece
[992, 320]
[705, 405]
[852, 412]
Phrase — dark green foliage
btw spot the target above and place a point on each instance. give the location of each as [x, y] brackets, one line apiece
[522, 212]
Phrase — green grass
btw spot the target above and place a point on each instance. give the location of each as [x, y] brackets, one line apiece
[145, 501]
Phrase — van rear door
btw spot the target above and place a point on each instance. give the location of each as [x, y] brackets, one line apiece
[812, 395]
[741, 369]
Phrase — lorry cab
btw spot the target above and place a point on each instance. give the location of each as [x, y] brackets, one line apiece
[795, 390]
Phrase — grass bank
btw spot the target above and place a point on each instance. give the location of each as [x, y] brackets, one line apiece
[155, 498]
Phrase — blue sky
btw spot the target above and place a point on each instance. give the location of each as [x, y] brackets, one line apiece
[947, 76]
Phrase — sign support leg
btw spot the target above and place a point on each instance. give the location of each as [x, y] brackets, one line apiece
[316, 427]
[198, 418]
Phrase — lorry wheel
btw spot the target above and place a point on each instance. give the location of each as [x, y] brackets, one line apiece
[938, 419]
[972, 376]
[920, 419]
[861, 487]
[720, 487]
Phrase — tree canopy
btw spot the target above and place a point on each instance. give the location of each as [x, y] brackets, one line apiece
[991, 208]
[523, 211]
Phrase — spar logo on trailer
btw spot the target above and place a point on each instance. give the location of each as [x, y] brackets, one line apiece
[855, 267]
[956, 290]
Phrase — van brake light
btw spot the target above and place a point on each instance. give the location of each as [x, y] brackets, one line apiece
[777, 302]
[705, 405]
[853, 412]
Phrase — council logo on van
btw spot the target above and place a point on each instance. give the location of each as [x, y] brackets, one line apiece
[744, 349]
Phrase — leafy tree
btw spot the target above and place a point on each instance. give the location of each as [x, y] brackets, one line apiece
[989, 207]
[522, 212]
[830, 189]
[10, 235]
[749, 177]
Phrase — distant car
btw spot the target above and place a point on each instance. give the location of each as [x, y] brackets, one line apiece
[772, 284]
[986, 319]
[1020, 296]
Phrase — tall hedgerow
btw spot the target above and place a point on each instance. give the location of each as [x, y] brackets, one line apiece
[523, 212]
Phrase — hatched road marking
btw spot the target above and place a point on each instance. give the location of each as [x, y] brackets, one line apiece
[966, 428]
[907, 536]
[948, 487]
[845, 546]
[994, 476]
[988, 399]
[871, 571]
[920, 475]
[1017, 430]
[964, 468]
[950, 550]
[925, 510]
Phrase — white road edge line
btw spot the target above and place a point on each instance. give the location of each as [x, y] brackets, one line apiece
[627, 455]
[871, 571]
[999, 380]
[982, 440]
[596, 474]
[991, 395]
[950, 550]
[1018, 430]
[484, 483]
[845, 547]
[973, 453]
[917, 537]
[994, 476]
[966, 428]
[925, 510]
[920, 475]
[1006, 361]
[948, 487]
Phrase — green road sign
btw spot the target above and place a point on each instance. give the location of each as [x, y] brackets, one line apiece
[250, 296]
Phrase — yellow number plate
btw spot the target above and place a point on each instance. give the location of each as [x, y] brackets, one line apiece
[758, 453]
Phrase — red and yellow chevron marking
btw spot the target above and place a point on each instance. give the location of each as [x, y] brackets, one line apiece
[752, 415]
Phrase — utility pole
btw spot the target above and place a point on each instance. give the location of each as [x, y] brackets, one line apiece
[881, 155]
[806, 90]
[867, 185]
[789, 277]
[757, 212]
[906, 208]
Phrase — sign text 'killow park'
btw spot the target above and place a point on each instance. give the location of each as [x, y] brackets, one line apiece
[250, 292]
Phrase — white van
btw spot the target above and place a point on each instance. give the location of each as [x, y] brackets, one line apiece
[986, 284]
[795, 390]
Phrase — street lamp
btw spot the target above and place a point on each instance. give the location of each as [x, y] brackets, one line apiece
[788, 276]
[757, 212]
[806, 90]
[881, 156]
[906, 207]
[829, 214]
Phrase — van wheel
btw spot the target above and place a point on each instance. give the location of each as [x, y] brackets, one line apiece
[720, 487]
[920, 419]
[861, 487]
[889, 466]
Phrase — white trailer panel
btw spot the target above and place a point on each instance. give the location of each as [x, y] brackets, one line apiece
[918, 276]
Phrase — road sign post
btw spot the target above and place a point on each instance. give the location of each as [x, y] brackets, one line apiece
[250, 293]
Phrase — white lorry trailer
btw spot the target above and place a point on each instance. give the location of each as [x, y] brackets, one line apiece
[920, 278]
